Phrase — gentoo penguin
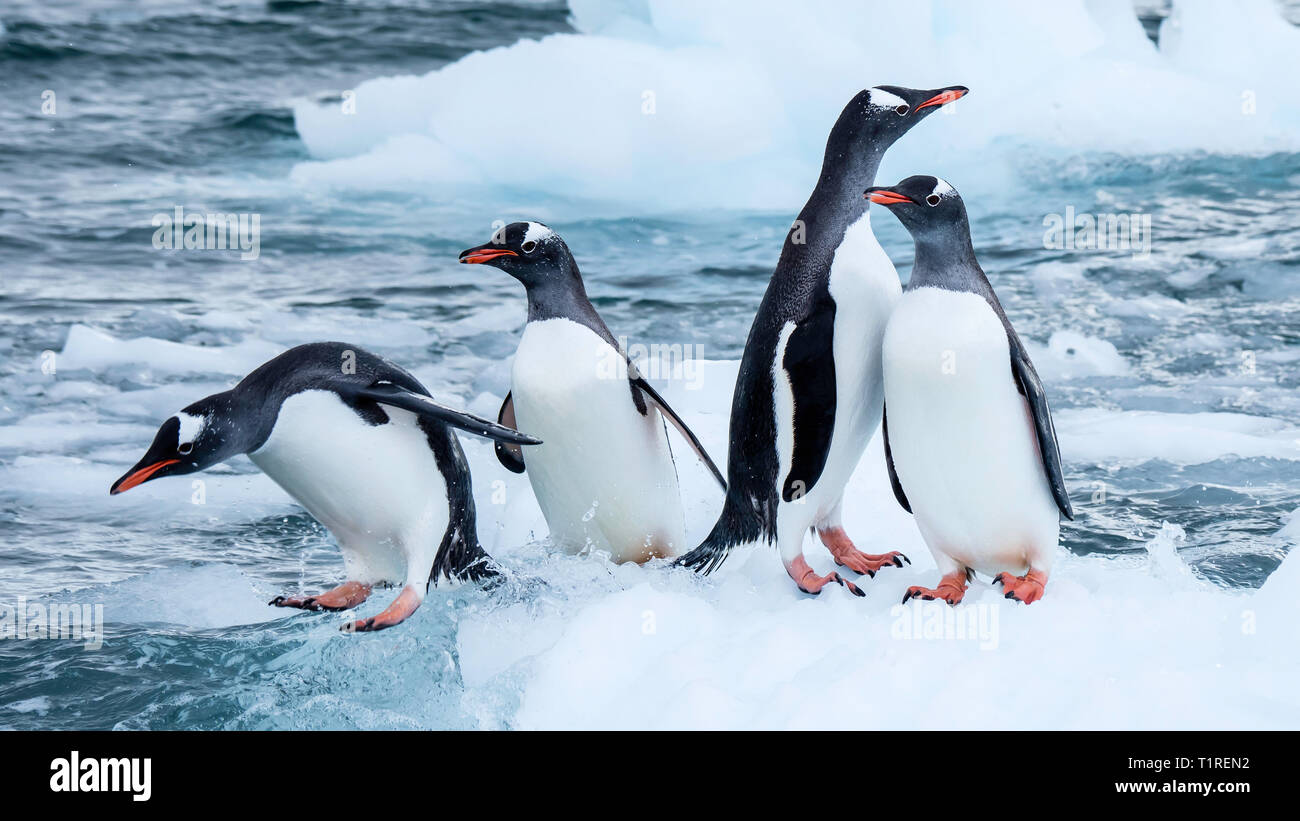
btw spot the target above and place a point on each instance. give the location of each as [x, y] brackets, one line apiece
[359, 443]
[969, 441]
[605, 478]
[808, 395]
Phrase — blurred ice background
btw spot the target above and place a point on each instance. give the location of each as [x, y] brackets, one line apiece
[670, 143]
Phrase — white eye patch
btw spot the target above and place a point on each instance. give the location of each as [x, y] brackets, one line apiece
[191, 427]
[883, 99]
[942, 188]
[537, 232]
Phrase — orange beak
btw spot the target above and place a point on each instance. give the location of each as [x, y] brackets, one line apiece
[887, 197]
[485, 254]
[942, 98]
[140, 476]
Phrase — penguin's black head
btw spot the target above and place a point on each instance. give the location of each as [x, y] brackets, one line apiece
[878, 116]
[194, 439]
[925, 205]
[528, 251]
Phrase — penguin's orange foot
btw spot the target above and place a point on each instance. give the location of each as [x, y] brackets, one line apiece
[809, 582]
[406, 603]
[1027, 588]
[847, 554]
[952, 589]
[868, 563]
[343, 597]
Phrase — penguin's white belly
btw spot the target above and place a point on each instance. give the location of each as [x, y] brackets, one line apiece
[376, 487]
[962, 437]
[865, 287]
[603, 477]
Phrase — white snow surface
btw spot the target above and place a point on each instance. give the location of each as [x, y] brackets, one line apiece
[682, 104]
[1133, 642]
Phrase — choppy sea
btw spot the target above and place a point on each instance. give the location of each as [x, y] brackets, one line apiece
[1173, 364]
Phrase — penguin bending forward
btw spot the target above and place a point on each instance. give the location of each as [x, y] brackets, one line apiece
[605, 479]
[360, 444]
[969, 441]
[808, 396]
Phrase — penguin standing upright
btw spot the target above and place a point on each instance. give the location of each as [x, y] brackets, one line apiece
[605, 478]
[359, 443]
[969, 441]
[808, 396]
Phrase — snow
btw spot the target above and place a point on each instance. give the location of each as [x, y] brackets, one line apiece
[1096, 435]
[680, 104]
[1070, 354]
[87, 348]
[1138, 641]
[1139, 645]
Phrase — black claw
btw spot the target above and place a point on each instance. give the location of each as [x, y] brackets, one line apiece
[871, 573]
[857, 591]
[1011, 595]
[898, 562]
[909, 561]
[998, 579]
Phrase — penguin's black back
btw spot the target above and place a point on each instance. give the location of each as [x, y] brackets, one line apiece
[798, 292]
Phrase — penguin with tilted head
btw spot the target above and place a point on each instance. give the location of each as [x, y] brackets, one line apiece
[360, 444]
[969, 441]
[605, 478]
[808, 396]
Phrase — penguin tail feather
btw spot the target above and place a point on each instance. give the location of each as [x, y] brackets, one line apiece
[462, 558]
[735, 526]
[706, 558]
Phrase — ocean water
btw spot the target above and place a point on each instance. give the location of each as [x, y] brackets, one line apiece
[670, 145]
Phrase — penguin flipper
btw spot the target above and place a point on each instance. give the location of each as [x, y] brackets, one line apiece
[417, 403]
[510, 456]
[889, 461]
[671, 415]
[1032, 388]
[810, 367]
